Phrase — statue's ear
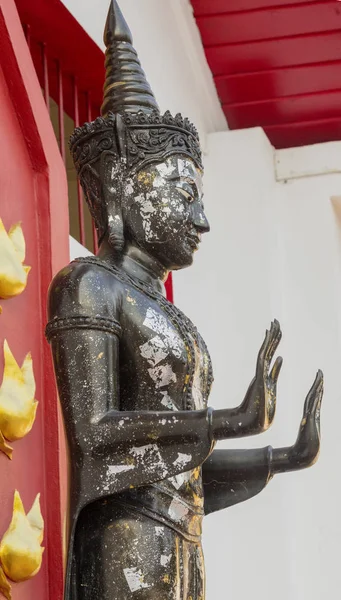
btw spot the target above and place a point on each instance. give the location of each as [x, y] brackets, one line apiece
[112, 177]
[91, 183]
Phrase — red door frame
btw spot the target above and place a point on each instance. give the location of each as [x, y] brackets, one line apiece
[52, 237]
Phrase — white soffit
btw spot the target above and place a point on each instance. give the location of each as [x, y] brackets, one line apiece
[308, 161]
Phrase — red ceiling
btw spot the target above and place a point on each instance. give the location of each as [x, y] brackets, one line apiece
[276, 64]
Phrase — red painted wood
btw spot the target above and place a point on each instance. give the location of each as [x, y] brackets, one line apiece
[209, 7]
[61, 111]
[270, 24]
[262, 85]
[276, 62]
[33, 190]
[310, 132]
[46, 77]
[274, 54]
[169, 288]
[67, 42]
[308, 107]
[27, 30]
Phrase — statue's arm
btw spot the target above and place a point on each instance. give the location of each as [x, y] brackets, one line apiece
[256, 412]
[84, 332]
[233, 476]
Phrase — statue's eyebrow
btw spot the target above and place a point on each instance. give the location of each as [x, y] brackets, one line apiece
[179, 176]
[175, 177]
[188, 178]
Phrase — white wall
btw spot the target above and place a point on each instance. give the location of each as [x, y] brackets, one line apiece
[274, 251]
[77, 250]
[170, 49]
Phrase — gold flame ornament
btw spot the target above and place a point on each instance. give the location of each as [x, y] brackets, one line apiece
[5, 448]
[5, 586]
[21, 552]
[13, 273]
[17, 404]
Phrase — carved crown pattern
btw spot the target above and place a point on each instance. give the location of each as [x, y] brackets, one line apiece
[148, 138]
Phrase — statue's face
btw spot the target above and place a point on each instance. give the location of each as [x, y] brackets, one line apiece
[164, 212]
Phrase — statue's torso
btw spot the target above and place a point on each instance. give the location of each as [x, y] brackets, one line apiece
[164, 365]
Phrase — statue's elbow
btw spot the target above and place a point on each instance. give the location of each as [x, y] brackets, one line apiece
[258, 424]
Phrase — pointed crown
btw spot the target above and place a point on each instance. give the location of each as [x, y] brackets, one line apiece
[131, 125]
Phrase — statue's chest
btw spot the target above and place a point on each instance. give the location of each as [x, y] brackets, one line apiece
[171, 361]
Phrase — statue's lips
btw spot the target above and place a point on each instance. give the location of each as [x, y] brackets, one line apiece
[194, 241]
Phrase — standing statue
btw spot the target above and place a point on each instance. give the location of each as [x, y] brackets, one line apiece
[134, 374]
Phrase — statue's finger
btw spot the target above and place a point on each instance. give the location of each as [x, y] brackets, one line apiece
[313, 393]
[267, 351]
[261, 353]
[275, 334]
[317, 413]
[319, 394]
[272, 409]
[274, 343]
[276, 369]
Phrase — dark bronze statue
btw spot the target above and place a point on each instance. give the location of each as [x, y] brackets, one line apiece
[134, 374]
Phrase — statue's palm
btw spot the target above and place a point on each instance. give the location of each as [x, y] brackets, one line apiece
[260, 400]
[305, 451]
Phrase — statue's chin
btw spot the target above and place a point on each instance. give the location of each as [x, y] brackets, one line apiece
[169, 258]
[183, 265]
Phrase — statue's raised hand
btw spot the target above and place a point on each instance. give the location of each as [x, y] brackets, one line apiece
[305, 451]
[256, 413]
[259, 404]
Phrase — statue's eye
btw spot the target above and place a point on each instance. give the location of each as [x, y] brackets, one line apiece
[186, 190]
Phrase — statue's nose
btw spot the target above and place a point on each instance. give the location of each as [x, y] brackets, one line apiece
[200, 220]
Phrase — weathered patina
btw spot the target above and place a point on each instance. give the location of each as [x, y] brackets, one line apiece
[134, 374]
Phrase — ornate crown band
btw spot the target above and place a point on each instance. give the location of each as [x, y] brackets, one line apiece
[147, 138]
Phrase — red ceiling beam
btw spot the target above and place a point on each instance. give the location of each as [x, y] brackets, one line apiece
[287, 81]
[209, 7]
[308, 107]
[276, 64]
[304, 133]
[274, 54]
[279, 22]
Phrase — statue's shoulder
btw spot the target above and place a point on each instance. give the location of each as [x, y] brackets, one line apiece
[84, 276]
[84, 287]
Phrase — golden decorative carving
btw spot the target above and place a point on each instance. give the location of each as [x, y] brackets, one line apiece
[13, 274]
[5, 448]
[17, 404]
[20, 548]
[5, 586]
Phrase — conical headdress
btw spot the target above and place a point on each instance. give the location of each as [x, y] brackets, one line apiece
[131, 127]
[126, 87]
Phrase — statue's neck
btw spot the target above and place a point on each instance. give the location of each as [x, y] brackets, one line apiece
[137, 263]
